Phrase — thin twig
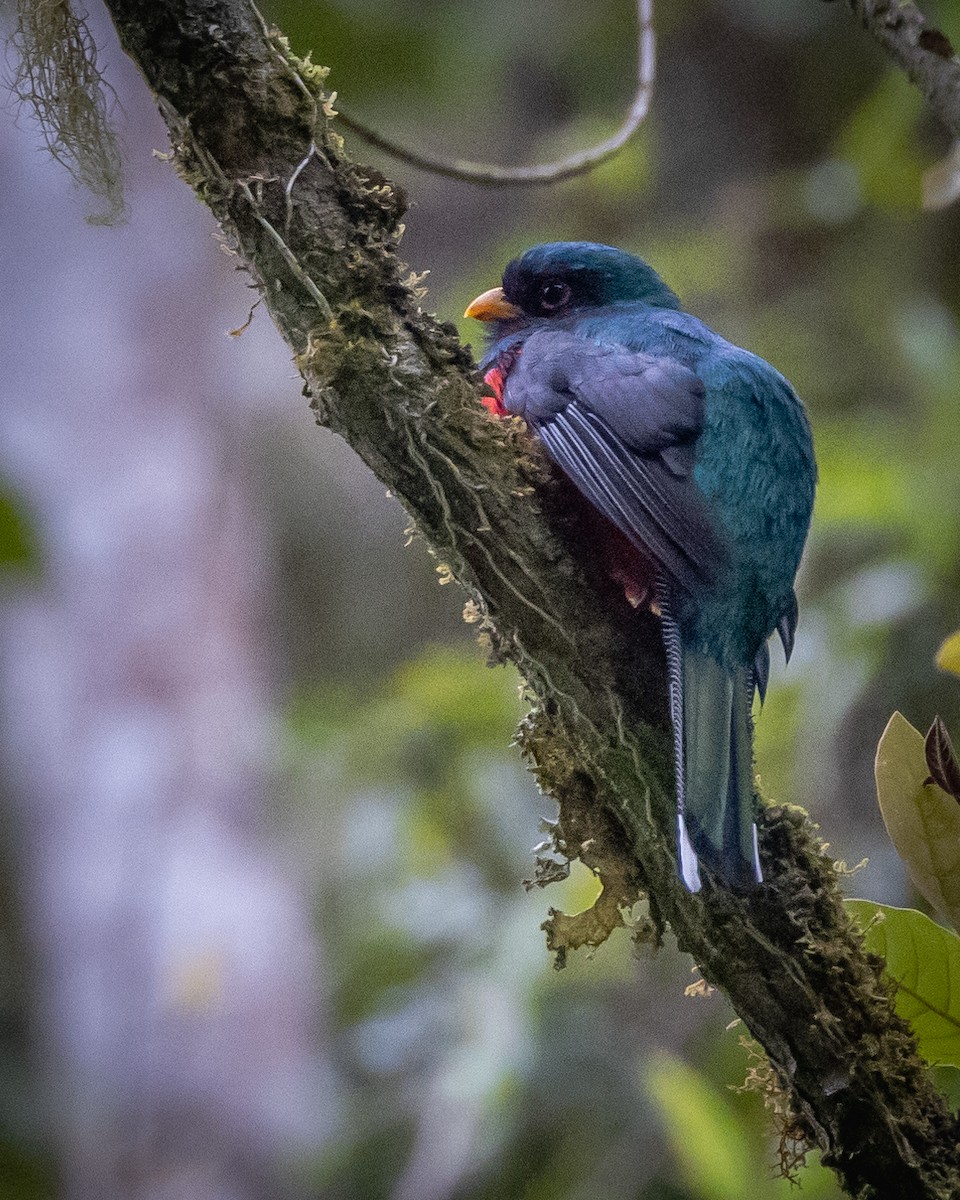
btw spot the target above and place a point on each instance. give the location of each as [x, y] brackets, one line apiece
[542, 173]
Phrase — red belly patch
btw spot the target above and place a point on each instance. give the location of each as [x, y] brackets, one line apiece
[495, 379]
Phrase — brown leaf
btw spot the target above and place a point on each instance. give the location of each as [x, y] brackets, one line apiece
[944, 768]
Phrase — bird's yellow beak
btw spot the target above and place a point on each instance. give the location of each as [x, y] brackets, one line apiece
[492, 306]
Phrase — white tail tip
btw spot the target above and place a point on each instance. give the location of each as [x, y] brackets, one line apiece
[689, 866]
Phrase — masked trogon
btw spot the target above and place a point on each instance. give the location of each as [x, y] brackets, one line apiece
[699, 455]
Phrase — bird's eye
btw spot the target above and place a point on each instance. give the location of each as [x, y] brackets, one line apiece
[554, 295]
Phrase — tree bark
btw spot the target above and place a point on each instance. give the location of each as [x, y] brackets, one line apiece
[254, 135]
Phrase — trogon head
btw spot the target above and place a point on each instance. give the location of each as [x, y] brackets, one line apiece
[559, 279]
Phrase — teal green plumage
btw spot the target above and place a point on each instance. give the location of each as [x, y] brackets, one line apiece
[700, 453]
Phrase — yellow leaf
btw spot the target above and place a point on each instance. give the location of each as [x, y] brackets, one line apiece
[922, 820]
[948, 656]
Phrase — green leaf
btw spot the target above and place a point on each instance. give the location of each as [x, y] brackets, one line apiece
[922, 820]
[707, 1139]
[924, 959]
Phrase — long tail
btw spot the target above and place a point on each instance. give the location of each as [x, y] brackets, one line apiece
[713, 745]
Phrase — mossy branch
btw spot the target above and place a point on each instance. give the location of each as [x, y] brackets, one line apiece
[254, 135]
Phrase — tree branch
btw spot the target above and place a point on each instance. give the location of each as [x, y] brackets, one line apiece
[542, 173]
[919, 49]
[319, 234]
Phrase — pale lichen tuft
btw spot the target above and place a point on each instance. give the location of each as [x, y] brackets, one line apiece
[59, 79]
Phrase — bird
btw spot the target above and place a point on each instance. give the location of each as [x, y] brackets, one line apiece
[697, 457]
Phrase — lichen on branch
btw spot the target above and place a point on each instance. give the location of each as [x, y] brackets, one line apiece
[57, 78]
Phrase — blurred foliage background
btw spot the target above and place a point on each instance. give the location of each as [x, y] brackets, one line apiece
[777, 187]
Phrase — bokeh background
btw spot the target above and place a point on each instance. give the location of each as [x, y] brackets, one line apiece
[262, 832]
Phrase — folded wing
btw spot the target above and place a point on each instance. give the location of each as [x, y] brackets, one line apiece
[622, 425]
